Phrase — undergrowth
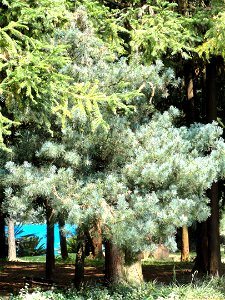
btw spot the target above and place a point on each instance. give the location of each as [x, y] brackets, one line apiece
[208, 289]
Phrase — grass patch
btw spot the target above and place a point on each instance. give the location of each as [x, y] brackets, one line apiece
[89, 262]
[40, 259]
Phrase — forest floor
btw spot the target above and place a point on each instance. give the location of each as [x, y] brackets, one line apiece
[16, 275]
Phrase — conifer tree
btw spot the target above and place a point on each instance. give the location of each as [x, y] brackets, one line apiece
[155, 173]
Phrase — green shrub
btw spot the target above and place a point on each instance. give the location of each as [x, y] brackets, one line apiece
[72, 244]
[28, 245]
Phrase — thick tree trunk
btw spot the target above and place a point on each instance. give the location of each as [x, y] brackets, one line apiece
[133, 269]
[96, 236]
[114, 260]
[201, 261]
[208, 258]
[214, 257]
[11, 241]
[214, 263]
[50, 256]
[121, 269]
[62, 236]
[185, 255]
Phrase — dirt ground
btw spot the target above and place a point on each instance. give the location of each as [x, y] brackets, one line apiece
[15, 275]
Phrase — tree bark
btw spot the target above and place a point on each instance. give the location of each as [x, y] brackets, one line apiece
[185, 255]
[62, 236]
[190, 118]
[208, 259]
[201, 261]
[3, 247]
[3, 251]
[121, 268]
[80, 256]
[214, 256]
[96, 236]
[190, 109]
[214, 263]
[50, 255]
[11, 241]
[114, 260]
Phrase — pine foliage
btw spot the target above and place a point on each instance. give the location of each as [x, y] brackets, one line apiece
[140, 185]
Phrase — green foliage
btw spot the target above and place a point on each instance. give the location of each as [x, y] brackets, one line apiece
[214, 38]
[28, 245]
[208, 289]
[30, 60]
[167, 170]
[72, 244]
[159, 29]
[136, 183]
[107, 23]
[34, 82]
[5, 125]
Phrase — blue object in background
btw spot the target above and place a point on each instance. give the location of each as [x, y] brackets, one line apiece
[40, 230]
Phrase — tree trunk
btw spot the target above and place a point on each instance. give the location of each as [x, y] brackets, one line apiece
[182, 7]
[121, 268]
[3, 249]
[201, 261]
[190, 118]
[114, 260]
[80, 256]
[11, 241]
[2, 236]
[214, 263]
[190, 92]
[185, 255]
[208, 258]
[50, 255]
[214, 257]
[96, 236]
[62, 236]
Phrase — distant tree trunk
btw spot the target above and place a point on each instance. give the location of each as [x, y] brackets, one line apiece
[3, 251]
[80, 256]
[185, 255]
[190, 118]
[62, 236]
[182, 6]
[50, 256]
[11, 241]
[2, 236]
[190, 109]
[120, 268]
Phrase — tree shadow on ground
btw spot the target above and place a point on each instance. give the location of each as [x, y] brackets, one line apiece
[16, 275]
